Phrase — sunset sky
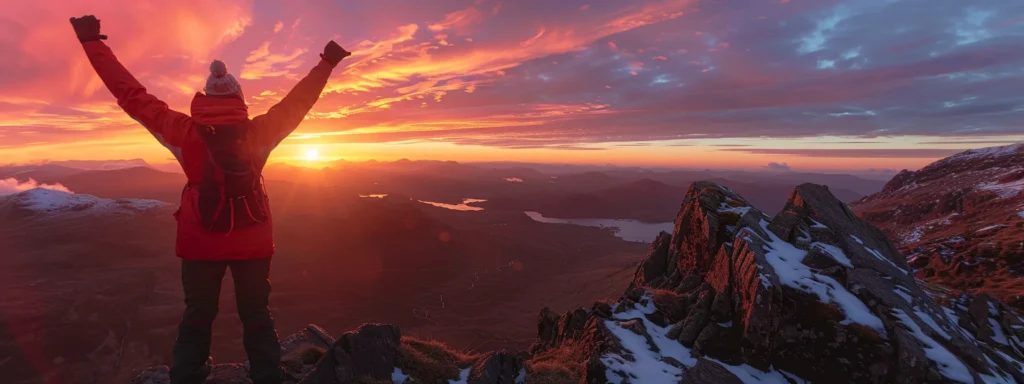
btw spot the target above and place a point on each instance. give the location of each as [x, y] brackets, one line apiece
[804, 84]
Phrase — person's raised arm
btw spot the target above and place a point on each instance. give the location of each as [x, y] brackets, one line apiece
[166, 125]
[285, 116]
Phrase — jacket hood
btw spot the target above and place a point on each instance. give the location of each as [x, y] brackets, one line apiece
[214, 110]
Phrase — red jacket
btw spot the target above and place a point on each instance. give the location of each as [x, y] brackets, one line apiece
[176, 131]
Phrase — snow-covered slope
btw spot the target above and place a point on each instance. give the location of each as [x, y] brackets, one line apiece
[49, 202]
[960, 220]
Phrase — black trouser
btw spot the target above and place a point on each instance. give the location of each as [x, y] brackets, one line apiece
[201, 280]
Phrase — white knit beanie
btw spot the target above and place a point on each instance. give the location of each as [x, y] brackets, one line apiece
[220, 82]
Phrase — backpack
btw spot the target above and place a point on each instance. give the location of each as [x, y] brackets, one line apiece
[231, 191]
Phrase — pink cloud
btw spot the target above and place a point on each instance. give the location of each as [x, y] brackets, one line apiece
[262, 63]
[458, 20]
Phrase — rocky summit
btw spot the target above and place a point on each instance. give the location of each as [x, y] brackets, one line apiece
[813, 294]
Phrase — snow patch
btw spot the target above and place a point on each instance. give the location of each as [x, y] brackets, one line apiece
[737, 210]
[927, 319]
[786, 260]
[857, 239]
[835, 252]
[998, 335]
[513, 179]
[880, 256]
[521, 377]
[1020, 365]
[463, 377]
[399, 377]
[955, 320]
[1021, 214]
[903, 292]
[647, 366]
[1005, 150]
[1004, 190]
[817, 224]
[949, 366]
[913, 236]
[992, 227]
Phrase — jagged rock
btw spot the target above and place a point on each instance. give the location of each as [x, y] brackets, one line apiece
[311, 335]
[814, 293]
[818, 258]
[656, 263]
[689, 283]
[496, 368]
[553, 329]
[673, 305]
[696, 320]
[369, 352]
[721, 306]
[602, 309]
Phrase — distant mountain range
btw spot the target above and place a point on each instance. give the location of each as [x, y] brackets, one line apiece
[614, 194]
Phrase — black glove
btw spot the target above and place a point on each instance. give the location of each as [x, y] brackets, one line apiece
[333, 53]
[87, 28]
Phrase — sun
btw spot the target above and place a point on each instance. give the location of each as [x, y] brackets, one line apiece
[312, 155]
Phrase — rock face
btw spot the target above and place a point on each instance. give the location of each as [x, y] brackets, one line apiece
[814, 294]
[960, 220]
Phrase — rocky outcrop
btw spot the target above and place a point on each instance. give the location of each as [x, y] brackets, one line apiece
[814, 293]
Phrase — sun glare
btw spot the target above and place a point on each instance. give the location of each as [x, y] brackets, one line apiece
[312, 155]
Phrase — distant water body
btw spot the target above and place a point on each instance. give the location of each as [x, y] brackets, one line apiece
[465, 206]
[629, 230]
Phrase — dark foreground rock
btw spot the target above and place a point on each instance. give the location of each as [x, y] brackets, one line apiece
[813, 294]
[374, 353]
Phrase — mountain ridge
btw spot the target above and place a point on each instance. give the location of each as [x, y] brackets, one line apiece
[959, 220]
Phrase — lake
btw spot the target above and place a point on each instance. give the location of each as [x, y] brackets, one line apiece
[629, 230]
[465, 206]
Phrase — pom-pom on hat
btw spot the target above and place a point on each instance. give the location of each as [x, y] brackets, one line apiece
[220, 82]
